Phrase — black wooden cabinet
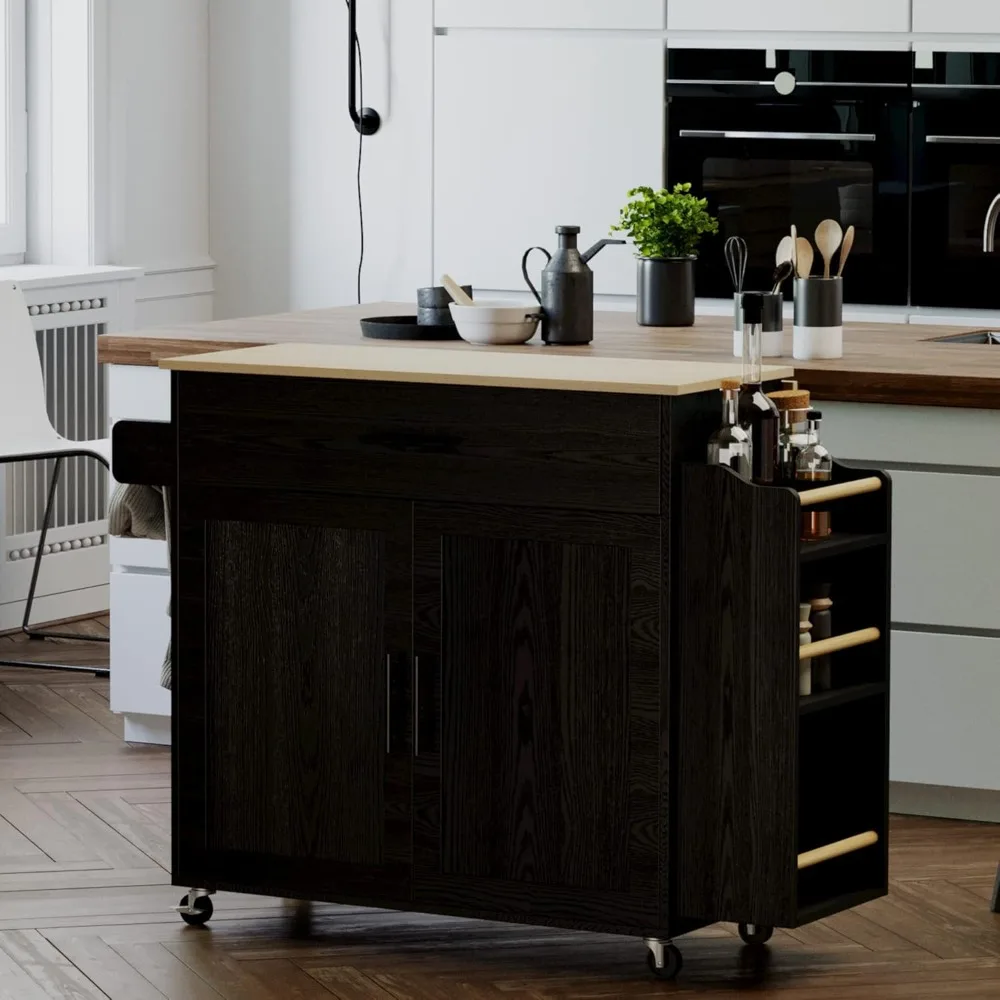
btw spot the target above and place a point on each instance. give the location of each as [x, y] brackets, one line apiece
[293, 685]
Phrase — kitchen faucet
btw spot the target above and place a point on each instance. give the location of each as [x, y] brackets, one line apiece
[990, 226]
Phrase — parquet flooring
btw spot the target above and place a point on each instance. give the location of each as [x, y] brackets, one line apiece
[85, 898]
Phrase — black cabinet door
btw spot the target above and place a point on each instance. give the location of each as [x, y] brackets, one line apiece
[538, 750]
[292, 694]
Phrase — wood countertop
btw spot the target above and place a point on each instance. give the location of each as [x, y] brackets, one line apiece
[537, 369]
[882, 363]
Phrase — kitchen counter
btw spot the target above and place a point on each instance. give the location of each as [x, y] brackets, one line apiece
[882, 363]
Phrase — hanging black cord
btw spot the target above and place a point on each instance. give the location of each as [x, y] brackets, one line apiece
[361, 144]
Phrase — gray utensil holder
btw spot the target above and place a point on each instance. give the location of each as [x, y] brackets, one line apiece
[819, 319]
[772, 328]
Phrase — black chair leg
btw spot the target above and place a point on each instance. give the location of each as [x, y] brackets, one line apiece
[995, 906]
[41, 633]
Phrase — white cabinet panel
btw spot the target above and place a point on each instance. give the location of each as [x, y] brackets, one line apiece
[138, 392]
[789, 15]
[549, 14]
[944, 704]
[530, 135]
[139, 636]
[969, 16]
[946, 550]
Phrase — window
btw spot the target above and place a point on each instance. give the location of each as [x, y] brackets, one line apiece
[13, 131]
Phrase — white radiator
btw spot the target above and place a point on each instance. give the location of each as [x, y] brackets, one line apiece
[74, 574]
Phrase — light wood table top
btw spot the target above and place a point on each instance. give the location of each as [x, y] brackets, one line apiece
[535, 368]
[882, 363]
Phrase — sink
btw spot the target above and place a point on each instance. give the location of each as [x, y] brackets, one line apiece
[975, 337]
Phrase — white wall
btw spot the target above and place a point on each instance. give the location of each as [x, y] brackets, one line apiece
[157, 164]
[283, 153]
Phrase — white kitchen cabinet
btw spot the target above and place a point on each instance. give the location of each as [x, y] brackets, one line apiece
[530, 135]
[944, 699]
[790, 15]
[964, 16]
[945, 558]
[549, 14]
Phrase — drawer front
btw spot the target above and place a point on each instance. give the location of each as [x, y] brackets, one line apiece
[945, 698]
[139, 553]
[548, 14]
[138, 392]
[139, 642]
[595, 451]
[946, 550]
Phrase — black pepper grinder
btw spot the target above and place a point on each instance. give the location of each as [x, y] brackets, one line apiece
[567, 296]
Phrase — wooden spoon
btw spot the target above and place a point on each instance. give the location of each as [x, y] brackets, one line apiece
[829, 236]
[785, 251]
[845, 250]
[456, 291]
[803, 257]
[795, 249]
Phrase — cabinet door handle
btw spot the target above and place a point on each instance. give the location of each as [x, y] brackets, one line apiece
[388, 702]
[416, 706]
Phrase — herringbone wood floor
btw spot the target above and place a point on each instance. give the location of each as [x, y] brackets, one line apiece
[85, 897]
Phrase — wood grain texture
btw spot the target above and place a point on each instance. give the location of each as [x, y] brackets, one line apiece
[738, 700]
[531, 447]
[883, 362]
[546, 629]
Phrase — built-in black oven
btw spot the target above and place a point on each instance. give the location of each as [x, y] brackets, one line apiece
[956, 175]
[789, 137]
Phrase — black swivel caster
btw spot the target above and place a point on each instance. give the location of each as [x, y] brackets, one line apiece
[195, 908]
[663, 958]
[755, 933]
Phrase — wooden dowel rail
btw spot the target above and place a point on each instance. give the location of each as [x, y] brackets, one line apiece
[837, 849]
[824, 494]
[837, 642]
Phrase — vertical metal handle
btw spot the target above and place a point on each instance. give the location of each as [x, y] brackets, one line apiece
[416, 706]
[388, 702]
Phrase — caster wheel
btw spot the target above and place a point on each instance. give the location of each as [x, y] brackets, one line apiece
[755, 933]
[204, 914]
[673, 962]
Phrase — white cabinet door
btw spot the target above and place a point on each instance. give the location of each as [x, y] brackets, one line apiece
[967, 16]
[139, 637]
[531, 134]
[549, 14]
[789, 15]
[944, 699]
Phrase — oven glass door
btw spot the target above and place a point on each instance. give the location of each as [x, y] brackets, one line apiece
[765, 164]
[956, 175]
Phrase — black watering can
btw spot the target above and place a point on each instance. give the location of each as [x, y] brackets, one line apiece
[567, 297]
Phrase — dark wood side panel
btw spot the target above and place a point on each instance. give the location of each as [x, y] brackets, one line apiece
[738, 701]
[144, 452]
[596, 451]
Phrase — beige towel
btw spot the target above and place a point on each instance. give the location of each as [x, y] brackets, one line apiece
[141, 512]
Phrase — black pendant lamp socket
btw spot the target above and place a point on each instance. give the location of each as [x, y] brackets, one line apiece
[367, 121]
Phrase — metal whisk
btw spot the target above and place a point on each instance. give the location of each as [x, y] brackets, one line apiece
[736, 261]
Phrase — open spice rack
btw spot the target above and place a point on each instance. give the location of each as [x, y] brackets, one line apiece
[784, 798]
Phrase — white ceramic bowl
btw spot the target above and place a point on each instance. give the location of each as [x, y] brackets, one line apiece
[495, 322]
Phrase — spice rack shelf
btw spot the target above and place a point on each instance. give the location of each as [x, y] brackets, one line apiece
[778, 777]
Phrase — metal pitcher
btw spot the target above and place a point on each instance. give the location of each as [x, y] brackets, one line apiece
[567, 296]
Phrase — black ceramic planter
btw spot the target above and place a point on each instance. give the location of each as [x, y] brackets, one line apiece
[666, 291]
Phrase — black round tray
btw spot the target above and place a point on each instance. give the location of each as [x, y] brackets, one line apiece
[405, 328]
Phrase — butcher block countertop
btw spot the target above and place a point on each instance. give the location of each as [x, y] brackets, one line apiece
[882, 363]
[540, 369]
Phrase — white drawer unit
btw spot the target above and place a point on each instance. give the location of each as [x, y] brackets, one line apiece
[139, 636]
[956, 16]
[946, 550]
[790, 15]
[944, 702]
[549, 14]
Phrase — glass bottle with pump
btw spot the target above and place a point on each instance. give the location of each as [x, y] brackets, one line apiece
[757, 413]
[730, 445]
[814, 465]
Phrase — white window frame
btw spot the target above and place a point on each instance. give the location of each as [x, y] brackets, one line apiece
[13, 134]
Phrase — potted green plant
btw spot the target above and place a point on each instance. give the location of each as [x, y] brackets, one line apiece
[666, 227]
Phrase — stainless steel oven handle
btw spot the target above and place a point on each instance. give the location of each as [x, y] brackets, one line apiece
[964, 140]
[695, 133]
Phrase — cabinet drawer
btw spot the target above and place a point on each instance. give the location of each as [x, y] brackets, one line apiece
[945, 693]
[548, 14]
[946, 569]
[138, 392]
[596, 451]
[139, 642]
[787, 15]
[974, 17]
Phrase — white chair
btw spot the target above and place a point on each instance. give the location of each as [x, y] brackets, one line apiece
[26, 433]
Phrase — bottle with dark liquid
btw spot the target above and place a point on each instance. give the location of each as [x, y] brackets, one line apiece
[814, 465]
[757, 413]
[730, 444]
